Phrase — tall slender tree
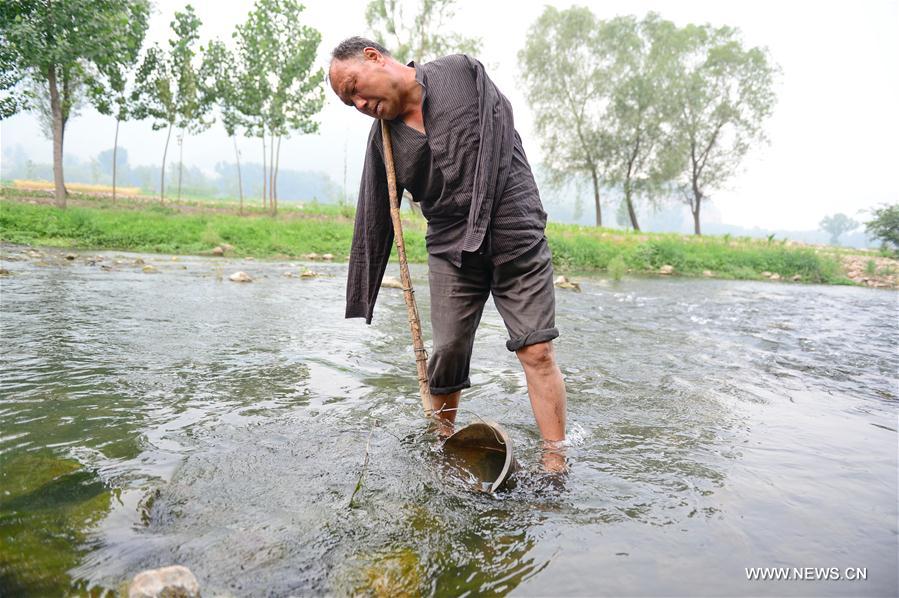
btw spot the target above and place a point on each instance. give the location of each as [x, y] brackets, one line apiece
[54, 42]
[566, 78]
[218, 81]
[108, 82]
[279, 90]
[168, 85]
[639, 149]
[724, 92]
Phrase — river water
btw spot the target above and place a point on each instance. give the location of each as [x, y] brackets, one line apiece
[176, 417]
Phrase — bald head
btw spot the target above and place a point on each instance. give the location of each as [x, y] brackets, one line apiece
[364, 74]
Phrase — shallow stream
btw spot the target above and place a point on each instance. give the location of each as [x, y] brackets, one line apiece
[174, 417]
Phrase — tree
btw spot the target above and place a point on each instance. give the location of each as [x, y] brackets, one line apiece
[836, 225]
[168, 88]
[278, 90]
[639, 153]
[218, 81]
[885, 226]
[723, 94]
[54, 42]
[565, 73]
[108, 85]
[416, 29]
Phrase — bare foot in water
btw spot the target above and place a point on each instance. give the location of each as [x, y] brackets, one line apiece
[554, 457]
[443, 427]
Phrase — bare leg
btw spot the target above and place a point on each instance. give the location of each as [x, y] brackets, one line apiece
[444, 407]
[548, 401]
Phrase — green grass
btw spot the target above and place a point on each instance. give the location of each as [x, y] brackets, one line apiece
[578, 247]
[190, 228]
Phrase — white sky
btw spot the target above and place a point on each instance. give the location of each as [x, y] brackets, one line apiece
[833, 134]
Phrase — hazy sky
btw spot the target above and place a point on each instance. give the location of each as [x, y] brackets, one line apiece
[833, 137]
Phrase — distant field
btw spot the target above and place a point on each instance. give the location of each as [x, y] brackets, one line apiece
[27, 185]
[197, 227]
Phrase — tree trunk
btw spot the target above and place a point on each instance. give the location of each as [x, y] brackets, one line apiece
[275, 185]
[596, 196]
[695, 211]
[180, 161]
[115, 149]
[264, 174]
[239, 179]
[58, 129]
[697, 203]
[632, 214]
[165, 153]
[271, 175]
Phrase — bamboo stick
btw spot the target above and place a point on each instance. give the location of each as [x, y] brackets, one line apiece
[421, 356]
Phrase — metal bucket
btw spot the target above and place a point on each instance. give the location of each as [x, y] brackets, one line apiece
[482, 451]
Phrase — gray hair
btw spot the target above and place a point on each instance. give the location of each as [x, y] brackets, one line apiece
[352, 47]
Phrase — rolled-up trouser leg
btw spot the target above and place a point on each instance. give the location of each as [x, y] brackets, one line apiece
[524, 296]
[458, 296]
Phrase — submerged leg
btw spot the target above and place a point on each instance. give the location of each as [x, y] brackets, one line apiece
[548, 400]
[444, 407]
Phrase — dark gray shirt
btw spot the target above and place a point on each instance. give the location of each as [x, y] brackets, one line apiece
[469, 172]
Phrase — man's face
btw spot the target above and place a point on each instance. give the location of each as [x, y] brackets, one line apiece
[368, 84]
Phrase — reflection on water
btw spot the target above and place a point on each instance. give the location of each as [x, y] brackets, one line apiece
[174, 417]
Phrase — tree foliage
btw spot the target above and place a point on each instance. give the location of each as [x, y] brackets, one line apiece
[278, 90]
[885, 226]
[836, 225]
[639, 153]
[416, 29]
[55, 43]
[724, 93]
[642, 105]
[565, 74]
[167, 87]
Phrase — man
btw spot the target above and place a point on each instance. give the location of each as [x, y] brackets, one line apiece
[457, 152]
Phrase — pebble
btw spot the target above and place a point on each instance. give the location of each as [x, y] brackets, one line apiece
[392, 282]
[175, 581]
[240, 277]
[563, 283]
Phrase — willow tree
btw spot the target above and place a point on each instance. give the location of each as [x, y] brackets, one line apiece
[278, 88]
[723, 93]
[640, 152]
[54, 43]
[565, 71]
[417, 29]
[168, 86]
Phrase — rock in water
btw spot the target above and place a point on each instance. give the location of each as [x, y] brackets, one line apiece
[328, 256]
[391, 282]
[149, 269]
[240, 277]
[563, 283]
[666, 269]
[168, 582]
[218, 251]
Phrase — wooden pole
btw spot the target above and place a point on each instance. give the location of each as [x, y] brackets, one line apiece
[421, 356]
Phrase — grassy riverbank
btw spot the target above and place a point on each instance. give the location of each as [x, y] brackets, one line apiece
[197, 227]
